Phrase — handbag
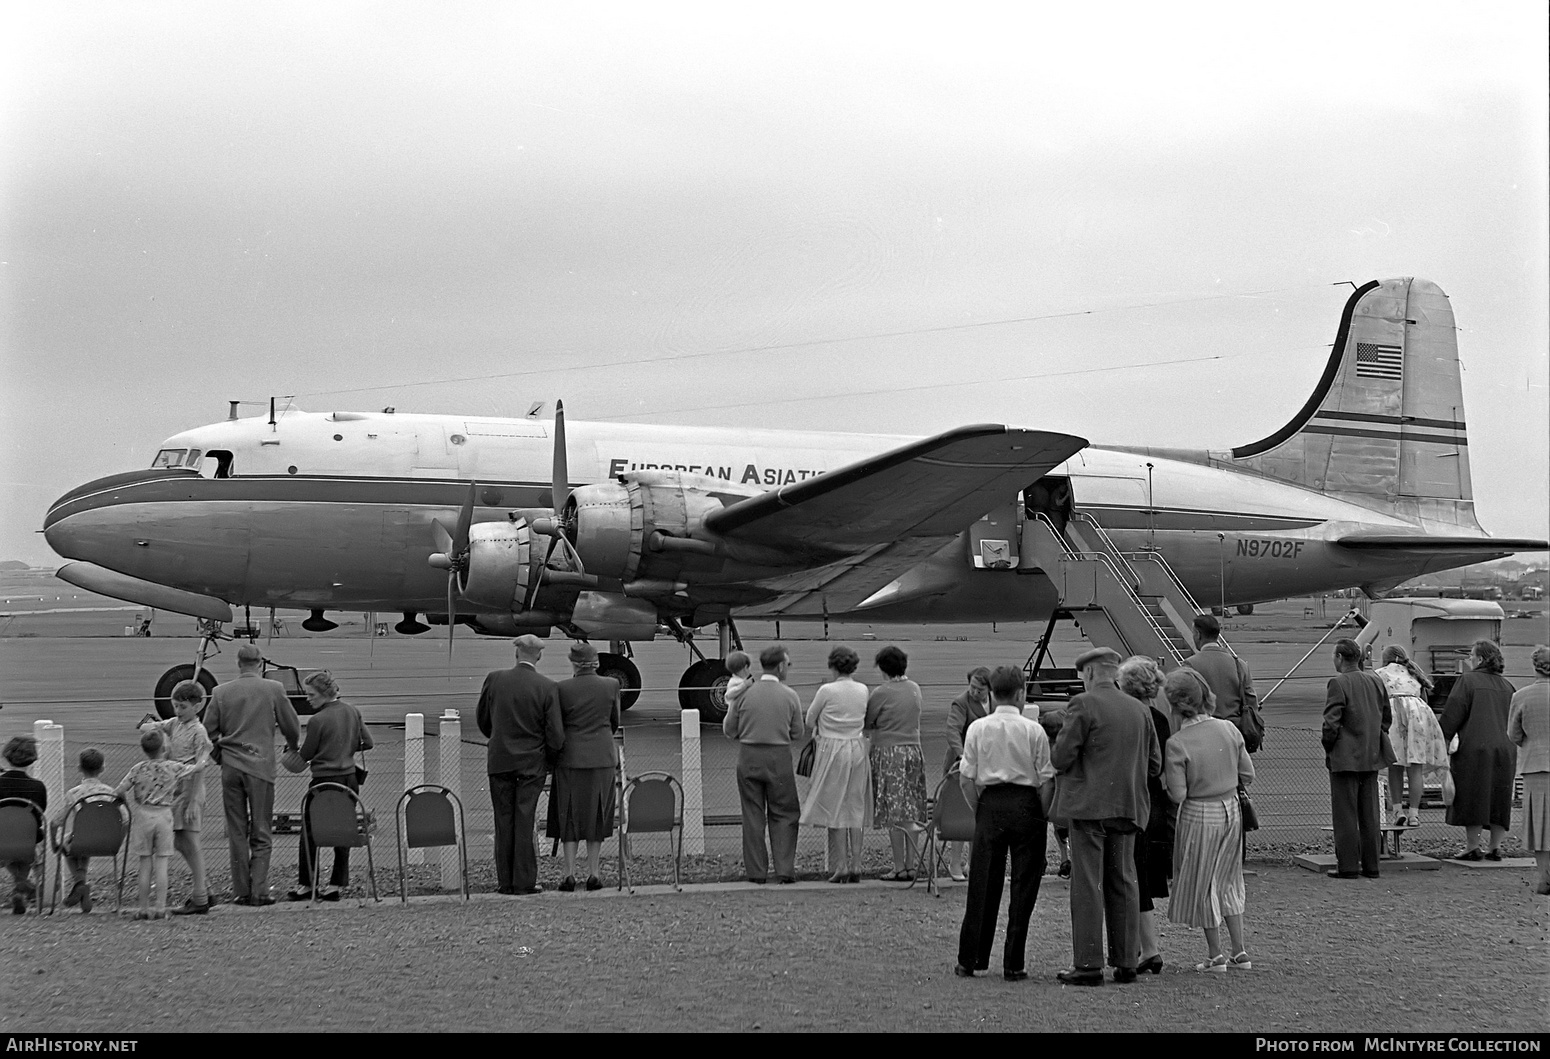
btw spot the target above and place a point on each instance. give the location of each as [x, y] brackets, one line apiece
[1246, 810]
[1449, 791]
[292, 760]
[808, 755]
[1249, 722]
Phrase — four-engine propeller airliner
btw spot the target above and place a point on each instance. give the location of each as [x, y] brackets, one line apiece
[476, 521]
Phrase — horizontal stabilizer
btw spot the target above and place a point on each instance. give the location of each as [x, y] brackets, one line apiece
[1426, 542]
[111, 583]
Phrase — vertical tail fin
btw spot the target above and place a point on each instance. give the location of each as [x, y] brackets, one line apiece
[1385, 425]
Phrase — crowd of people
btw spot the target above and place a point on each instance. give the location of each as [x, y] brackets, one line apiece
[1144, 777]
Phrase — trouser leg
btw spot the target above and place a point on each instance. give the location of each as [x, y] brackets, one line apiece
[524, 851]
[1343, 790]
[234, 800]
[785, 813]
[1028, 862]
[987, 865]
[1367, 820]
[78, 868]
[261, 805]
[1121, 899]
[503, 805]
[1087, 846]
[751, 795]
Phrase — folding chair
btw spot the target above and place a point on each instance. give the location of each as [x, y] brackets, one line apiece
[95, 826]
[423, 819]
[336, 817]
[21, 829]
[652, 801]
[951, 821]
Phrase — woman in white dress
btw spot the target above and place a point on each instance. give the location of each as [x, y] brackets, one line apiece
[1419, 748]
[839, 796]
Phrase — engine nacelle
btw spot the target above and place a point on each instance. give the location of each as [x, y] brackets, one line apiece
[610, 522]
[500, 564]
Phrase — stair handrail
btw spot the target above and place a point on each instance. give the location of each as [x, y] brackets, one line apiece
[1108, 543]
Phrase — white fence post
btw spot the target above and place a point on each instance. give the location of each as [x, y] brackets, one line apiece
[51, 758]
[414, 767]
[694, 790]
[452, 779]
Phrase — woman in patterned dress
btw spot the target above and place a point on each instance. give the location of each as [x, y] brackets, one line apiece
[1419, 748]
[898, 769]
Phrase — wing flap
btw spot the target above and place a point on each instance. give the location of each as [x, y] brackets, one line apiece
[928, 489]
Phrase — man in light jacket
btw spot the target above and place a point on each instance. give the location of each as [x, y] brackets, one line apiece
[765, 721]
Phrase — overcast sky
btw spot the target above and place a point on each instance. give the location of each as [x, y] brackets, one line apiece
[1131, 222]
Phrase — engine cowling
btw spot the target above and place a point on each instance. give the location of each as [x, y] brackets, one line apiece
[500, 564]
[610, 523]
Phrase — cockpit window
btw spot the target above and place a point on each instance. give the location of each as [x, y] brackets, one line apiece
[193, 458]
[169, 458]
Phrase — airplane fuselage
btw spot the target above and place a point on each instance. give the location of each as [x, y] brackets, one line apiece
[335, 511]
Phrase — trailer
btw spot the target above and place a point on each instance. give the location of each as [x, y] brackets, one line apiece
[1437, 633]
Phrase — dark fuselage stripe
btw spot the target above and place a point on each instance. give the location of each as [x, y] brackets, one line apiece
[1348, 432]
[1398, 421]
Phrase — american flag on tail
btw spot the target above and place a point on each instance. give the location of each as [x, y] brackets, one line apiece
[1379, 362]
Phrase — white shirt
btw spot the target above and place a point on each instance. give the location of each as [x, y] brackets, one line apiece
[1006, 747]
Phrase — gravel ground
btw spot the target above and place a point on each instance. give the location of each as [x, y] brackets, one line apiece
[1442, 950]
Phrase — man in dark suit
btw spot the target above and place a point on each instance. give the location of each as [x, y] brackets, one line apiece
[1106, 750]
[1225, 673]
[1356, 718]
[765, 721]
[519, 711]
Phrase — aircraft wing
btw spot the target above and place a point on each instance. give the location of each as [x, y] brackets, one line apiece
[1414, 543]
[926, 490]
[840, 586]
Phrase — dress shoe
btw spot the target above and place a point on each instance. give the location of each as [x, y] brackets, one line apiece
[1124, 975]
[330, 894]
[509, 891]
[249, 901]
[961, 971]
[1064, 871]
[73, 898]
[1015, 976]
[839, 877]
[756, 882]
[1342, 874]
[1075, 977]
[1469, 855]
[1369, 875]
[786, 880]
[568, 884]
[188, 908]
[1152, 964]
[530, 891]
[299, 894]
[853, 877]
[1494, 854]
[594, 883]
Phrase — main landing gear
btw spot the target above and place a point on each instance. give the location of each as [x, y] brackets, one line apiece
[703, 685]
[618, 664]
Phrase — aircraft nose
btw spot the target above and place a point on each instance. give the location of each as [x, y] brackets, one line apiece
[82, 516]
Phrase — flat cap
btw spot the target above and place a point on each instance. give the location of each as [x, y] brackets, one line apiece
[529, 642]
[582, 653]
[1106, 656]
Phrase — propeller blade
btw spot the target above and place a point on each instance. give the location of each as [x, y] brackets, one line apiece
[536, 574]
[561, 491]
[442, 537]
[465, 519]
[451, 613]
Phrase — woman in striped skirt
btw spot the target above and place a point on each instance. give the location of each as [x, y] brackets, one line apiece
[1205, 763]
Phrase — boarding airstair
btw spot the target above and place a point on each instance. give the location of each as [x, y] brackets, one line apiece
[1129, 601]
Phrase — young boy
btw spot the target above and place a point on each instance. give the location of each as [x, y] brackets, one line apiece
[21, 751]
[151, 785]
[91, 783]
[741, 668]
[187, 744]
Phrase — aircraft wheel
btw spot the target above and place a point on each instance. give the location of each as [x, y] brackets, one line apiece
[1245, 609]
[703, 687]
[624, 671]
[171, 679]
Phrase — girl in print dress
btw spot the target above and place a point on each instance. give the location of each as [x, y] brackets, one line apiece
[1419, 748]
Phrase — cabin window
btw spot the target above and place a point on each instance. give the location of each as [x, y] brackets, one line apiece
[193, 458]
[169, 458]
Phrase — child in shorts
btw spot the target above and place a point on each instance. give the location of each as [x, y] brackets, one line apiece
[91, 783]
[151, 786]
[187, 744]
[19, 752]
[741, 668]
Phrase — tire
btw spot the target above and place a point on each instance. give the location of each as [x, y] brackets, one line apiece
[162, 696]
[1245, 609]
[703, 687]
[625, 672]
